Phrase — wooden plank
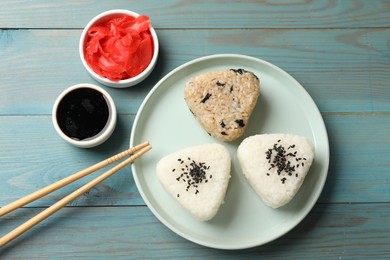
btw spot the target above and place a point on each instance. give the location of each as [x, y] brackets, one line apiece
[34, 139]
[202, 14]
[343, 231]
[359, 161]
[359, 164]
[32, 156]
[343, 70]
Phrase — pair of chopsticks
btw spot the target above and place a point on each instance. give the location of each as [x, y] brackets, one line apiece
[140, 149]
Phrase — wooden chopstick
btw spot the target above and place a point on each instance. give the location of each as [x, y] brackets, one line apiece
[66, 200]
[61, 183]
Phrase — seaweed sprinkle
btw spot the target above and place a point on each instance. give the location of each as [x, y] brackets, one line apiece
[239, 71]
[220, 84]
[208, 95]
[242, 71]
[240, 122]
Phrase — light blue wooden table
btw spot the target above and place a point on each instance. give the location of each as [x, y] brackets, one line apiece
[338, 50]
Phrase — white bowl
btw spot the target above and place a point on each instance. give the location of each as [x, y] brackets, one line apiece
[97, 139]
[121, 83]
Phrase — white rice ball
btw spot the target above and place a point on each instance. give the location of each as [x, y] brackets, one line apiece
[275, 165]
[197, 177]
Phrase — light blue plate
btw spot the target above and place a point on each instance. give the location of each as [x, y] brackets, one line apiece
[243, 221]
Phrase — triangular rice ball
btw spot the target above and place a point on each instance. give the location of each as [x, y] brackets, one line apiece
[275, 165]
[197, 177]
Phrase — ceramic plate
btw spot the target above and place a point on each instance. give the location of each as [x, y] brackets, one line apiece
[243, 221]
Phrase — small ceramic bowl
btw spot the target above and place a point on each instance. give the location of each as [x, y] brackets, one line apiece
[84, 115]
[105, 16]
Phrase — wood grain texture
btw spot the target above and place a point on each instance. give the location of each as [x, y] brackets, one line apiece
[338, 50]
[330, 231]
[359, 165]
[203, 14]
[343, 70]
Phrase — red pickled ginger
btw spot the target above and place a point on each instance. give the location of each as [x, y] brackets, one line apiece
[120, 48]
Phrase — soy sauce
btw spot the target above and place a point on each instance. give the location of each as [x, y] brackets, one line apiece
[82, 113]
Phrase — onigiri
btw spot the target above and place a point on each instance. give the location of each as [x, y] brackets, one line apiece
[275, 165]
[197, 177]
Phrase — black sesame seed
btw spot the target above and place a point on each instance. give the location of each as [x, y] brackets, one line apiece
[195, 174]
[231, 89]
[223, 133]
[283, 180]
[278, 158]
[178, 195]
[222, 124]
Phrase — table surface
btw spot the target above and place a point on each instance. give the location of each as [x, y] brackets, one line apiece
[338, 50]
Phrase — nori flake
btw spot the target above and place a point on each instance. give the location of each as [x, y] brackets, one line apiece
[208, 95]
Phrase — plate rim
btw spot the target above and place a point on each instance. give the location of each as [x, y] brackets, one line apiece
[234, 56]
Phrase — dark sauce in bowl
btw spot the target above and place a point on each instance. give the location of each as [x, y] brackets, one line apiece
[82, 113]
